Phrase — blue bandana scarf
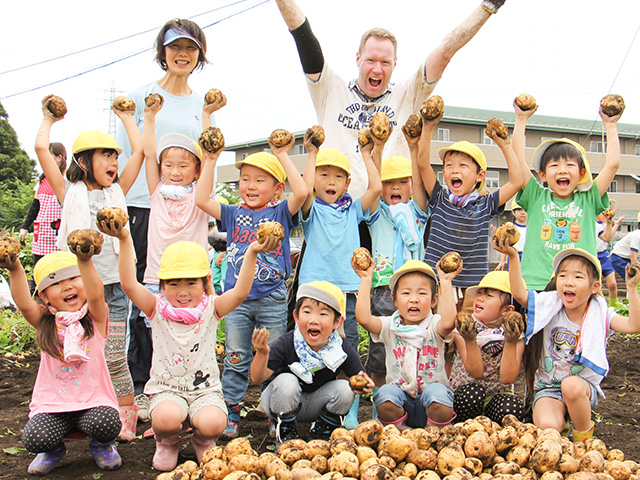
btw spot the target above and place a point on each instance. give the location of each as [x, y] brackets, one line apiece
[343, 203]
[330, 356]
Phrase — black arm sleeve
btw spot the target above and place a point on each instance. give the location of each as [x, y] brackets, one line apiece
[308, 48]
[31, 214]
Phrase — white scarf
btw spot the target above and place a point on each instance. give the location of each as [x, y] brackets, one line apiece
[70, 332]
[176, 192]
[330, 356]
[411, 337]
[76, 214]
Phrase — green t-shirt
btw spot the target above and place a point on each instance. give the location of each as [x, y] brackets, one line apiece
[554, 224]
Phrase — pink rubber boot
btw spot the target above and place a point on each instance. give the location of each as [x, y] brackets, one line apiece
[401, 423]
[129, 419]
[201, 445]
[167, 450]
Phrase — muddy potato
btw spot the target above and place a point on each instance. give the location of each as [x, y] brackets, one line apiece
[568, 464]
[552, 475]
[212, 96]
[190, 466]
[317, 447]
[615, 454]
[237, 475]
[342, 445]
[303, 473]
[212, 453]
[450, 457]
[592, 461]
[450, 262]
[215, 469]
[367, 433]
[211, 139]
[508, 230]
[387, 461]
[432, 107]
[273, 466]
[364, 137]
[247, 463]
[85, 239]
[546, 456]
[315, 135]
[410, 470]
[519, 454]
[525, 101]
[153, 98]
[302, 463]
[507, 438]
[599, 445]
[56, 106]
[180, 474]
[332, 476]
[480, 446]
[471, 426]
[423, 459]
[618, 470]
[568, 446]
[119, 217]
[500, 128]
[368, 462]
[235, 447]
[603, 476]
[505, 468]
[123, 104]
[361, 261]
[341, 433]
[346, 463]
[291, 455]
[398, 448]
[280, 137]
[473, 465]
[582, 476]
[377, 471]
[427, 475]
[320, 463]
[283, 474]
[198, 475]
[633, 466]
[269, 229]
[612, 105]
[364, 452]
[380, 126]
[9, 246]
[413, 126]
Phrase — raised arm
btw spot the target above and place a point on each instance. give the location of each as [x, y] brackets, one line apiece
[31, 311]
[309, 49]
[363, 302]
[631, 324]
[232, 298]
[448, 310]
[131, 170]
[204, 186]
[518, 140]
[612, 160]
[259, 370]
[150, 146]
[427, 174]
[47, 162]
[94, 289]
[515, 172]
[417, 187]
[518, 289]
[209, 108]
[372, 195]
[309, 177]
[298, 187]
[440, 57]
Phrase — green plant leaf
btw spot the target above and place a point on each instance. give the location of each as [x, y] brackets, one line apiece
[14, 450]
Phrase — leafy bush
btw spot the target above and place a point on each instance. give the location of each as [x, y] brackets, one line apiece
[16, 335]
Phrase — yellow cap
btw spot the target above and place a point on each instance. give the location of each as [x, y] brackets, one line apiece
[567, 252]
[95, 139]
[411, 266]
[334, 158]
[515, 206]
[183, 260]
[584, 184]
[55, 267]
[267, 162]
[493, 280]
[222, 200]
[395, 167]
[324, 292]
[470, 149]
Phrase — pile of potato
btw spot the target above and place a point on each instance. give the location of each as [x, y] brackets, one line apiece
[477, 449]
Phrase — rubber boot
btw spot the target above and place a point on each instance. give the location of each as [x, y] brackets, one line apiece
[129, 419]
[374, 411]
[324, 425]
[45, 462]
[582, 436]
[105, 454]
[201, 445]
[401, 423]
[233, 420]
[432, 423]
[167, 450]
[566, 429]
[286, 426]
[351, 420]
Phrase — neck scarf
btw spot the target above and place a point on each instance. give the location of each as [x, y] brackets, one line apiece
[461, 201]
[330, 356]
[411, 337]
[176, 192]
[408, 238]
[188, 316]
[71, 333]
[343, 203]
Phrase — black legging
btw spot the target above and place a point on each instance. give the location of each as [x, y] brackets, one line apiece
[45, 431]
[469, 402]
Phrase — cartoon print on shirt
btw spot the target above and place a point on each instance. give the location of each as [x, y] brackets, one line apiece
[574, 231]
[545, 234]
[201, 379]
[561, 232]
[174, 369]
[561, 354]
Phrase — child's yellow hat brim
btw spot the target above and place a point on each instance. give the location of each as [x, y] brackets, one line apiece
[265, 161]
[394, 167]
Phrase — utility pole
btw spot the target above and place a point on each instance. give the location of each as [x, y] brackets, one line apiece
[112, 93]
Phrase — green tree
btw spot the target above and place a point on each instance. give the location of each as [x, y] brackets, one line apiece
[16, 176]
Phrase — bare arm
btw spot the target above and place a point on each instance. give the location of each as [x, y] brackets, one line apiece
[309, 177]
[47, 162]
[208, 110]
[511, 360]
[427, 174]
[31, 311]
[631, 324]
[518, 140]
[232, 298]
[94, 290]
[131, 170]
[298, 187]
[448, 310]
[417, 187]
[259, 370]
[204, 186]
[440, 57]
[515, 172]
[518, 290]
[152, 169]
[612, 162]
[375, 185]
[470, 355]
[363, 302]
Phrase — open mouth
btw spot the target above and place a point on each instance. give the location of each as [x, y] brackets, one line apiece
[456, 182]
[413, 310]
[330, 192]
[569, 296]
[563, 183]
[395, 198]
[375, 82]
[313, 334]
[70, 298]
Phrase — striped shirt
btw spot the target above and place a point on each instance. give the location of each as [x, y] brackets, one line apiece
[464, 230]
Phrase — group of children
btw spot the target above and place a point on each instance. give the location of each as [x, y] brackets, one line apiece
[304, 372]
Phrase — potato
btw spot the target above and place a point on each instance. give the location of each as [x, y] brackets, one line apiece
[346, 463]
[247, 463]
[603, 476]
[368, 462]
[377, 471]
[519, 454]
[291, 455]
[235, 447]
[273, 466]
[529, 475]
[580, 449]
[582, 476]
[364, 452]
[237, 475]
[119, 217]
[85, 239]
[215, 469]
[303, 473]
[153, 98]
[283, 474]
[423, 459]
[9, 246]
[568, 464]
[471, 426]
[450, 457]
[527, 440]
[280, 137]
[387, 461]
[197, 475]
[361, 261]
[525, 101]
[422, 438]
[432, 107]
[413, 126]
[294, 443]
[568, 447]
[615, 454]
[495, 124]
[341, 433]
[213, 95]
[508, 230]
[507, 438]
[612, 105]
[480, 446]
[410, 470]
[473, 465]
[618, 470]
[317, 447]
[212, 453]
[380, 126]
[211, 139]
[398, 448]
[633, 466]
[427, 475]
[592, 461]
[315, 135]
[320, 463]
[302, 463]
[332, 476]
[56, 106]
[546, 456]
[505, 468]
[367, 433]
[364, 137]
[597, 444]
[270, 229]
[551, 475]
[342, 445]
[450, 262]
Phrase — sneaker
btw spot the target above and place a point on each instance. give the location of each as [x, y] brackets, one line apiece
[105, 454]
[142, 402]
[322, 428]
[47, 461]
[272, 428]
[233, 420]
[285, 430]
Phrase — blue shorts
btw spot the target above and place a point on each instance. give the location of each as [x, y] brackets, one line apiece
[605, 263]
[619, 264]
[556, 392]
[416, 408]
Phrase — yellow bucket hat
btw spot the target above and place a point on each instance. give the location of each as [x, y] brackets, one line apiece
[95, 139]
[183, 260]
[55, 267]
[587, 179]
[334, 158]
[470, 149]
[394, 167]
[515, 206]
[567, 252]
[411, 266]
[267, 162]
[324, 292]
[493, 280]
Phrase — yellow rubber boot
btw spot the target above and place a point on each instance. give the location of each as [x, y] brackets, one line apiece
[582, 436]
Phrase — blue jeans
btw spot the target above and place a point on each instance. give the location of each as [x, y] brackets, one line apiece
[350, 322]
[270, 312]
[416, 408]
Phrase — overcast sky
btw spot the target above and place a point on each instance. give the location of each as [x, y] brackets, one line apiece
[568, 54]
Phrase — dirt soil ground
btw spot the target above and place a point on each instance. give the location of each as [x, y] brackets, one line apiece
[617, 421]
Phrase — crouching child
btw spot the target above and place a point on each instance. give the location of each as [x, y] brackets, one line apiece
[304, 372]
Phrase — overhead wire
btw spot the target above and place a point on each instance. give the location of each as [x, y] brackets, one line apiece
[113, 62]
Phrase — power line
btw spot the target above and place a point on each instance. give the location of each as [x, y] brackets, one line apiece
[111, 41]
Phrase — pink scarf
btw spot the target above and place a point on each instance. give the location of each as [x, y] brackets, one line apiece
[188, 316]
[71, 334]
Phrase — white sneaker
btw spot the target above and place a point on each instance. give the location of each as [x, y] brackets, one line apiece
[142, 402]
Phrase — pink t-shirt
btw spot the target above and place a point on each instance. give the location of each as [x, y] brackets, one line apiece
[172, 221]
[72, 386]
